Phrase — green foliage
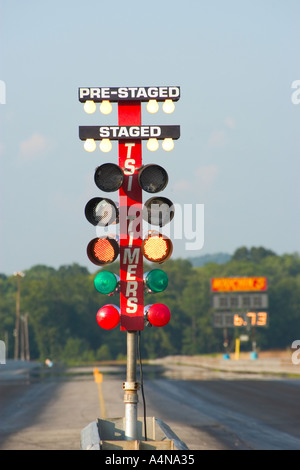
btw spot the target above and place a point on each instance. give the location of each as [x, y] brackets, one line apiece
[62, 305]
[219, 258]
[255, 254]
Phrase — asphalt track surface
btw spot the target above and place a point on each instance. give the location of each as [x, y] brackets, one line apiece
[208, 409]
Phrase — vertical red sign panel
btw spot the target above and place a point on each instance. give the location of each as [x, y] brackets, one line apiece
[131, 225]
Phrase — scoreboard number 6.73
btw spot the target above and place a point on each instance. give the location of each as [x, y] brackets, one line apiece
[250, 318]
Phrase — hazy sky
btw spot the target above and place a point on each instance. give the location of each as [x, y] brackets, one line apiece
[238, 156]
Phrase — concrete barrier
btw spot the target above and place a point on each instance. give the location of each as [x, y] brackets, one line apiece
[110, 435]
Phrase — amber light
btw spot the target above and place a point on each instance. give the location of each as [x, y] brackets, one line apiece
[102, 251]
[157, 248]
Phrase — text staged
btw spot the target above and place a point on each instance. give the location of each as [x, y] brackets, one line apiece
[128, 132]
[116, 94]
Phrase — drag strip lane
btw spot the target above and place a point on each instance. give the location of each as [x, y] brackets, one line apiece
[253, 414]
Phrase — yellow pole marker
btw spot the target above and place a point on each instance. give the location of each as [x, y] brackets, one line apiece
[98, 377]
[237, 348]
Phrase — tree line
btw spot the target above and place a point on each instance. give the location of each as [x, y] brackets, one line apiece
[60, 307]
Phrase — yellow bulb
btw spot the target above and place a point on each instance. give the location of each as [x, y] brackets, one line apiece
[168, 106]
[90, 145]
[106, 107]
[168, 144]
[89, 107]
[105, 145]
[152, 106]
[152, 145]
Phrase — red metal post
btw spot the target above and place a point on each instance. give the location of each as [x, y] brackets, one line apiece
[130, 199]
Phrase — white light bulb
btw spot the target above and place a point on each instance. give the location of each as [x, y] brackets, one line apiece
[152, 145]
[152, 106]
[105, 145]
[89, 107]
[90, 145]
[168, 106]
[168, 144]
[106, 107]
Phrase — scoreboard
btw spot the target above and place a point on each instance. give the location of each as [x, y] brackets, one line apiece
[239, 302]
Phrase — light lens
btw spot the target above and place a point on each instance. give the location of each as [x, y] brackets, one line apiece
[90, 145]
[152, 145]
[109, 177]
[156, 280]
[168, 106]
[158, 211]
[105, 282]
[167, 144]
[106, 107]
[101, 212]
[157, 248]
[152, 106]
[153, 178]
[103, 250]
[89, 107]
[105, 145]
[157, 314]
[108, 317]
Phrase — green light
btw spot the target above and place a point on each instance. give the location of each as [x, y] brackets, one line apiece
[156, 280]
[105, 282]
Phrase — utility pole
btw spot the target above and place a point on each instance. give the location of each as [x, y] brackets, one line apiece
[26, 338]
[19, 275]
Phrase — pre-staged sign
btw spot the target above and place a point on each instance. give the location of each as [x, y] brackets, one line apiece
[238, 284]
[128, 132]
[115, 94]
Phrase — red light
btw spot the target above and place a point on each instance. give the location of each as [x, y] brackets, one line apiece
[158, 314]
[108, 317]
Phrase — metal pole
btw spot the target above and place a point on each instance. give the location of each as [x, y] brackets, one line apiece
[130, 388]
